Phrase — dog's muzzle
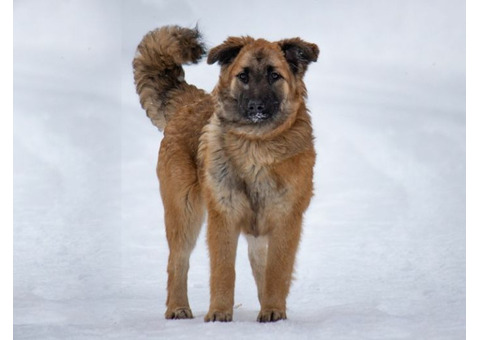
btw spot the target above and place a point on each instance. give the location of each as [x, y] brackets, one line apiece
[258, 111]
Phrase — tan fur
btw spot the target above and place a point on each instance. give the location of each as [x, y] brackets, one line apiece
[252, 178]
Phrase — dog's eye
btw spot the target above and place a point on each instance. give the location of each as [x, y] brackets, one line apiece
[274, 76]
[243, 77]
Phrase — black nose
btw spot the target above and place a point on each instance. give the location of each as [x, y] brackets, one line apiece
[256, 106]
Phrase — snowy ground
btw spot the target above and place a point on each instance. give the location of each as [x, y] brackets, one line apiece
[383, 248]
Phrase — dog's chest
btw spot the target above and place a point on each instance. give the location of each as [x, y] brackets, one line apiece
[244, 186]
[260, 186]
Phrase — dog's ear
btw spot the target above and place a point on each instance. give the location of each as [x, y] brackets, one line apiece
[299, 54]
[225, 53]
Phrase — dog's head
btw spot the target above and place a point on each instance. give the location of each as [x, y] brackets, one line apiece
[261, 83]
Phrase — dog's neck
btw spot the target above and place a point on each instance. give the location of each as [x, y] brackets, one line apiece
[294, 139]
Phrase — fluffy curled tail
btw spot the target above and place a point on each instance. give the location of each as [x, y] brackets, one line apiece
[157, 68]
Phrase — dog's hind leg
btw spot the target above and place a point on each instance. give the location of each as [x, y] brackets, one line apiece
[184, 213]
[257, 254]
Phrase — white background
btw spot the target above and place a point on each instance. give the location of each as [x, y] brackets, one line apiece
[383, 248]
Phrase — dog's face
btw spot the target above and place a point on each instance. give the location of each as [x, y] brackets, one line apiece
[261, 82]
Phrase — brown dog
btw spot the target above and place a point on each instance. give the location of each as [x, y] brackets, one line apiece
[244, 152]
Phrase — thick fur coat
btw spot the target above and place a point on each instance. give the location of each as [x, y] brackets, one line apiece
[244, 154]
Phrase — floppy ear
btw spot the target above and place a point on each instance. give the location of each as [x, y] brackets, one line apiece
[225, 53]
[299, 54]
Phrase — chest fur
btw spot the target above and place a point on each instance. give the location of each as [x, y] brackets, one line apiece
[256, 182]
[240, 179]
[242, 182]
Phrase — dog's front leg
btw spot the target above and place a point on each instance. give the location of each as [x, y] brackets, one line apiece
[222, 243]
[282, 248]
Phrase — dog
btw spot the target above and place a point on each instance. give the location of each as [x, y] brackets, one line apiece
[243, 153]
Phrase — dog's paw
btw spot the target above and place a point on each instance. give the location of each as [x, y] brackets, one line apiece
[179, 313]
[218, 316]
[271, 315]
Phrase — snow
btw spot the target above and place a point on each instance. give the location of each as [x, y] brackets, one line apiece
[383, 248]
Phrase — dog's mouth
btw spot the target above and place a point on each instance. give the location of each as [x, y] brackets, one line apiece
[257, 112]
[258, 117]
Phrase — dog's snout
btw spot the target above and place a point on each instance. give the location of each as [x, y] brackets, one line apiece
[256, 106]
